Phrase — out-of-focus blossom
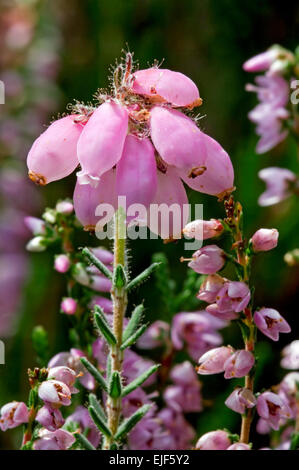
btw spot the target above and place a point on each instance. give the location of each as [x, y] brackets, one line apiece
[68, 306]
[62, 263]
[55, 393]
[239, 446]
[238, 364]
[290, 355]
[263, 61]
[35, 225]
[271, 323]
[82, 418]
[36, 244]
[135, 400]
[231, 299]
[208, 260]
[13, 414]
[264, 239]
[213, 361]
[134, 365]
[279, 182]
[214, 440]
[240, 399]
[103, 302]
[203, 229]
[269, 115]
[50, 418]
[179, 429]
[64, 207]
[184, 396]
[57, 440]
[155, 335]
[196, 331]
[150, 434]
[273, 409]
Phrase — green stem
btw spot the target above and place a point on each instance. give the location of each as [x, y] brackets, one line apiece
[119, 297]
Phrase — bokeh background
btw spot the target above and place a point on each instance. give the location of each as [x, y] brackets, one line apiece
[53, 52]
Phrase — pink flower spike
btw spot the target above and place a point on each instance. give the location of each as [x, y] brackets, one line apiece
[214, 440]
[218, 178]
[264, 239]
[101, 143]
[54, 154]
[62, 263]
[178, 140]
[87, 199]
[136, 173]
[68, 306]
[49, 418]
[13, 414]
[54, 392]
[172, 198]
[273, 409]
[167, 85]
[238, 364]
[213, 361]
[271, 323]
[240, 399]
[208, 260]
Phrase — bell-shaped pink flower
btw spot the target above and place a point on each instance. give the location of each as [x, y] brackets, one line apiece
[69, 306]
[101, 143]
[264, 239]
[240, 399]
[54, 154]
[214, 440]
[13, 414]
[273, 409]
[203, 229]
[54, 392]
[231, 299]
[213, 361]
[210, 287]
[64, 374]
[72, 360]
[50, 418]
[165, 85]
[88, 198]
[271, 323]
[239, 446]
[218, 177]
[172, 202]
[154, 336]
[57, 440]
[177, 139]
[208, 260]
[62, 263]
[238, 364]
[278, 185]
[136, 174]
[290, 353]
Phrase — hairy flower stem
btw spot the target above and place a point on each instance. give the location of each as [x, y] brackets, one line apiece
[119, 297]
[234, 214]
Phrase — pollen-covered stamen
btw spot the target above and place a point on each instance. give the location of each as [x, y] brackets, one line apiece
[37, 178]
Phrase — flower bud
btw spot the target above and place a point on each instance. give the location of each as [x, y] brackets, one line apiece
[49, 418]
[64, 374]
[13, 414]
[240, 399]
[62, 263]
[35, 225]
[212, 362]
[208, 260]
[68, 306]
[264, 239]
[238, 364]
[64, 207]
[203, 229]
[214, 440]
[36, 244]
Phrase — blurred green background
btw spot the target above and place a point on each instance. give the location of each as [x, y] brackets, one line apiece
[208, 41]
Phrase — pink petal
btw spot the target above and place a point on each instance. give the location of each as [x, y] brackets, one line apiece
[101, 143]
[170, 192]
[87, 199]
[136, 175]
[53, 155]
[177, 139]
[166, 85]
[219, 175]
